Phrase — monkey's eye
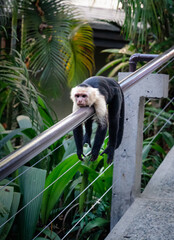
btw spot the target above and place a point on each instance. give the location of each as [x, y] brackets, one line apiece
[77, 95]
[84, 95]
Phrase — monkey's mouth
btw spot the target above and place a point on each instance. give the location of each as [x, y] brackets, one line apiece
[81, 105]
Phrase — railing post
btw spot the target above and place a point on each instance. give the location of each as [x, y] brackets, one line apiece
[128, 157]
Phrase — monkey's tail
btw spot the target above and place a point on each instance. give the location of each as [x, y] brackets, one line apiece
[121, 124]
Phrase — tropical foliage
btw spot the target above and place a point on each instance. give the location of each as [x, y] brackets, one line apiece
[49, 52]
[42, 54]
[52, 42]
[147, 21]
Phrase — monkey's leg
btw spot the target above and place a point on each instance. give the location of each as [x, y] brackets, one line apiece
[78, 137]
[98, 141]
[121, 124]
[88, 127]
[114, 116]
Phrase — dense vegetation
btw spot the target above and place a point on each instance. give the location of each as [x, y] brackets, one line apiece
[43, 47]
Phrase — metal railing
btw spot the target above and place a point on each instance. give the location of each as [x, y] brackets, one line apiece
[18, 158]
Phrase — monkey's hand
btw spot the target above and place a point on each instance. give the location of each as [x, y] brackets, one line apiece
[94, 155]
[80, 154]
[86, 139]
[110, 152]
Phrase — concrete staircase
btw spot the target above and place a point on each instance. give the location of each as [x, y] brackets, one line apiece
[151, 217]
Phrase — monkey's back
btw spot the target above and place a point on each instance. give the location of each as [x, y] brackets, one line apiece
[107, 86]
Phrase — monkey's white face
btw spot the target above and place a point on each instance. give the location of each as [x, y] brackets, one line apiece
[82, 99]
[87, 97]
[84, 96]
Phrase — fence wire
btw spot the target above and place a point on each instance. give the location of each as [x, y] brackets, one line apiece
[73, 201]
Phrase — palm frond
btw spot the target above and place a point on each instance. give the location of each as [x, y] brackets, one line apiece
[147, 18]
[81, 62]
[49, 28]
[14, 76]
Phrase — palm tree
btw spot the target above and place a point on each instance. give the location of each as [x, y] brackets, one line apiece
[53, 47]
[56, 47]
[147, 20]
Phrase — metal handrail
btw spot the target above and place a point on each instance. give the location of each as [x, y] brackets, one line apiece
[147, 69]
[18, 158]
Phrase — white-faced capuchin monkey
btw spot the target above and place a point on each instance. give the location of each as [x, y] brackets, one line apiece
[99, 92]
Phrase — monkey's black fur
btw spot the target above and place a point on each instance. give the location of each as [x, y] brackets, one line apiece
[115, 100]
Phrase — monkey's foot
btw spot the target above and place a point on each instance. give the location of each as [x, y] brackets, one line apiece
[93, 157]
[110, 152]
[80, 156]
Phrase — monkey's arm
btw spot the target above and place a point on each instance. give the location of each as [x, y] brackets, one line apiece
[88, 127]
[98, 141]
[78, 137]
[116, 119]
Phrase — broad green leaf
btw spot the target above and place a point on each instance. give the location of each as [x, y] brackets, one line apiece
[62, 174]
[44, 112]
[40, 238]
[13, 210]
[24, 121]
[6, 198]
[117, 68]
[98, 222]
[107, 66]
[146, 150]
[70, 147]
[73, 186]
[81, 61]
[92, 175]
[168, 138]
[10, 135]
[52, 235]
[158, 148]
[8, 147]
[31, 184]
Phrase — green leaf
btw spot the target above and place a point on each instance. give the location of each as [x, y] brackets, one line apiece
[8, 147]
[98, 222]
[92, 175]
[107, 66]
[51, 235]
[70, 147]
[40, 238]
[44, 112]
[168, 138]
[13, 210]
[24, 121]
[72, 187]
[6, 198]
[146, 150]
[81, 62]
[31, 184]
[158, 148]
[117, 68]
[11, 135]
[52, 194]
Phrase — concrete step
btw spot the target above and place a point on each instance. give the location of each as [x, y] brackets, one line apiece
[151, 217]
